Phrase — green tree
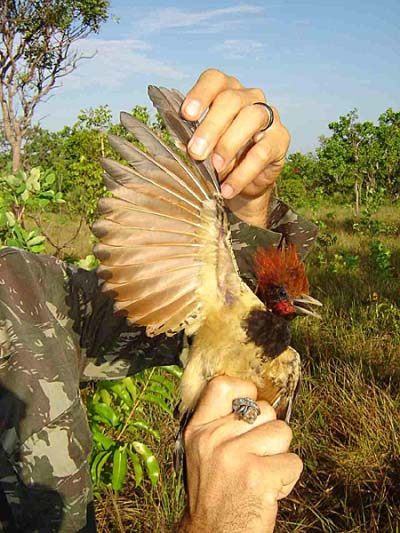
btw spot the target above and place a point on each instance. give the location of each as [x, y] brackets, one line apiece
[299, 178]
[345, 155]
[388, 141]
[36, 41]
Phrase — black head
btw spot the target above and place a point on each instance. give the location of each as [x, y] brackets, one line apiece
[276, 298]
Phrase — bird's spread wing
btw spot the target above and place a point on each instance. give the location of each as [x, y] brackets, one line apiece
[164, 238]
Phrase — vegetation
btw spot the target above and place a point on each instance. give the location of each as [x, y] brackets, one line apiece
[345, 423]
[358, 160]
[36, 42]
[347, 416]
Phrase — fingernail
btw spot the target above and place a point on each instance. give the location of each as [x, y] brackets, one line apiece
[198, 146]
[227, 191]
[192, 108]
[218, 162]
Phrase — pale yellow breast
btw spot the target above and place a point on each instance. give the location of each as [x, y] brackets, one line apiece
[220, 347]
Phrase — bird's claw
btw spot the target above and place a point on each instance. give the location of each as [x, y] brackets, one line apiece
[246, 409]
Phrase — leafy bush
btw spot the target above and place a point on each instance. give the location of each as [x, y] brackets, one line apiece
[123, 435]
[381, 256]
[20, 193]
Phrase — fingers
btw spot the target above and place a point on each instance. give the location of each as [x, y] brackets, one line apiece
[230, 426]
[247, 123]
[269, 438]
[225, 109]
[253, 170]
[225, 97]
[216, 400]
[284, 471]
[210, 83]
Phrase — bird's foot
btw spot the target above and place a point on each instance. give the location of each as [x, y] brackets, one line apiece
[246, 409]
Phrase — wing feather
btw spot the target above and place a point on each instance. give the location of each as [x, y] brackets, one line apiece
[164, 238]
[168, 103]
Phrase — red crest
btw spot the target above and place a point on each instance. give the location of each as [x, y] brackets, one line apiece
[283, 268]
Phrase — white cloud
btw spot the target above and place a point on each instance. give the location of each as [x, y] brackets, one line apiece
[239, 48]
[114, 62]
[178, 18]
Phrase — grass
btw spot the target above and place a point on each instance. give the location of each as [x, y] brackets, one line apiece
[347, 419]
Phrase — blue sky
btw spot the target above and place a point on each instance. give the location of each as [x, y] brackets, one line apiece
[315, 59]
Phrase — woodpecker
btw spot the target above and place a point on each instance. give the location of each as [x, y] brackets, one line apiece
[166, 258]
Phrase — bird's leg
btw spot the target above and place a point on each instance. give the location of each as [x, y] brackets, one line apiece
[246, 409]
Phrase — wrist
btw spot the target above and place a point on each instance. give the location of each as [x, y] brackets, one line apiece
[253, 211]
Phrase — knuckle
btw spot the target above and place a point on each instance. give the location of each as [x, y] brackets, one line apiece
[203, 443]
[286, 135]
[197, 443]
[214, 74]
[297, 465]
[208, 128]
[261, 152]
[254, 475]
[220, 385]
[230, 387]
[188, 436]
[234, 82]
[226, 457]
[229, 97]
[257, 113]
[258, 94]
[284, 430]
[223, 149]
[267, 410]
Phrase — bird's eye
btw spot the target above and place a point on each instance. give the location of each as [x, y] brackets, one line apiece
[282, 292]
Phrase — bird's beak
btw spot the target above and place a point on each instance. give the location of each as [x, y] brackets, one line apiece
[303, 305]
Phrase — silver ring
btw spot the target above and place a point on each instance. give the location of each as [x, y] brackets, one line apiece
[270, 115]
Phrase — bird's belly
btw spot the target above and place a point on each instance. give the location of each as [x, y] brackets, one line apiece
[220, 347]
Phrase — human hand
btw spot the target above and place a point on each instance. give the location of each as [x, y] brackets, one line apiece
[247, 161]
[236, 472]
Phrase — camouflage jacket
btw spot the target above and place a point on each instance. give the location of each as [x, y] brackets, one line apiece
[57, 329]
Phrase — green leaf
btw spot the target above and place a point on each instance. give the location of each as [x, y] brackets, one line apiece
[33, 180]
[10, 219]
[159, 389]
[25, 195]
[105, 396]
[137, 467]
[37, 249]
[103, 440]
[106, 413]
[150, 461]
[144, 426]
[36, 240]
[120, 463]
[97, 466]
[50, 178]
[130, 385]
[163, 380]
[152, 398]
[174, 370]
[120, 391]
[12, 181]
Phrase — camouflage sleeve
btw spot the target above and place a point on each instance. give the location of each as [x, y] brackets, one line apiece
[55, 325]
[113, 349]
[45, 440]
[284, 225]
